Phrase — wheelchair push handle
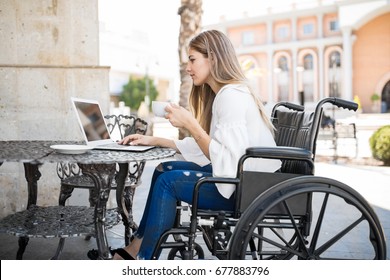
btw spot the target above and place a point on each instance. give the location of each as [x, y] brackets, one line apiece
[288, 105]
[293, 106]
[341, 103]
[350, 105]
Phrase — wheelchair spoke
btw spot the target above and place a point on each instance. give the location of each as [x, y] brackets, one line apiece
[296, 228]
[282, 238]
[319, 223]
[287, 248]
[337, 237]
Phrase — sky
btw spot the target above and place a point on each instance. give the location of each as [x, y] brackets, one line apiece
[161, 22]
[155, 14]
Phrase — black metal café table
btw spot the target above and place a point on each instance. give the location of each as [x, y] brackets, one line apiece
[65, 221]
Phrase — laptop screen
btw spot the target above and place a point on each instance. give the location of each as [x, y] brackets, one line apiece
[92, 120]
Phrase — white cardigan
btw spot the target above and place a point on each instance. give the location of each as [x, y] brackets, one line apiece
[236, 125]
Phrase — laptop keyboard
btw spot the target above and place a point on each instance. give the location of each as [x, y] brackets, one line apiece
[116, 146]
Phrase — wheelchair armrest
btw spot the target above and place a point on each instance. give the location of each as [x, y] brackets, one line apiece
[279, 152]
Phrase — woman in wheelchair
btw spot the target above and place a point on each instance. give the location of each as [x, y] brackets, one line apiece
[226, 117]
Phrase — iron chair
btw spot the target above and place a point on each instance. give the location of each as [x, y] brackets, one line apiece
[72, 178]
[289, 214]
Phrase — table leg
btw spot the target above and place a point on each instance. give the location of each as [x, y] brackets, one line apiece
[32, 175]
[102, 176]
[120, 186]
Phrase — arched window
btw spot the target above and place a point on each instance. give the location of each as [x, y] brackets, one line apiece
[283, 79]
[282, 63]
[386, 98]
[307, 78]
[334, 59]
[308, 62]
[334, 74]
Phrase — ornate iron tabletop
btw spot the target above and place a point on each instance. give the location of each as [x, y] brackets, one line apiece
[40, 152]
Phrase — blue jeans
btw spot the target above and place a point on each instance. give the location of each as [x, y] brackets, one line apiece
[171, 182]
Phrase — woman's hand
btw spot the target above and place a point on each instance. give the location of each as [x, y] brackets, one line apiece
[145, 140]
[179, 116]
[137, 139]
[182, 118]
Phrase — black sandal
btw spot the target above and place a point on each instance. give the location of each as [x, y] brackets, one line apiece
[94, 253]
[123, 253]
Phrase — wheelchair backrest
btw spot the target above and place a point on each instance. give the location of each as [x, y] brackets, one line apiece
[296, 129]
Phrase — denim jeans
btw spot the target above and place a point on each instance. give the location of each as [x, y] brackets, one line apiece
[171, 182]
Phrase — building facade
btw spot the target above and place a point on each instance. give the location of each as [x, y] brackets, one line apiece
[337, 49]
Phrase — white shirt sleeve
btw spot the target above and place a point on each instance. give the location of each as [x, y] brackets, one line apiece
[190, 151]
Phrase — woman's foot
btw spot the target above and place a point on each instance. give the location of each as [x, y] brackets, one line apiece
[129, 252]
[133, 249]
[122, 254]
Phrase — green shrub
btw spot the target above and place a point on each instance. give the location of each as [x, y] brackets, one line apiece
[375, 97]
[134, 92]
[380, 144]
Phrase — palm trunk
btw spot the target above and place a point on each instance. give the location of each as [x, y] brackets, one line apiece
[191, 16]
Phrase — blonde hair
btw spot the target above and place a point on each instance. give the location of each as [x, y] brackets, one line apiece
[225, 69]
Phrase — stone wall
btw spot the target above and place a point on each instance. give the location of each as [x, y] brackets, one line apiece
[49, 51]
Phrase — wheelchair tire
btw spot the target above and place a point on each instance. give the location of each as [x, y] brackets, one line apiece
[340, 224]
[178, 253]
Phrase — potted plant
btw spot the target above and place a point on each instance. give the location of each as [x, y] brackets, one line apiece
[375, 99]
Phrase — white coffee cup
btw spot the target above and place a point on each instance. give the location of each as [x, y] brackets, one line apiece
[158, 108]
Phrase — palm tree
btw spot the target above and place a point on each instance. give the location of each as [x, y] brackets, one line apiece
[190, 13]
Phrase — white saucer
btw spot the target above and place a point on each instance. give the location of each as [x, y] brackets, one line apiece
[71, 149]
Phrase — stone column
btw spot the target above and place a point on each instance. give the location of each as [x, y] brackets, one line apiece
[269, 32]
[347, 63]
[49, 52]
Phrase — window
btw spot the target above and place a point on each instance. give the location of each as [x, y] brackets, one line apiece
[334, 25]
[282, 63]
[283, 32]
[308, 62]
[334, 59]
[308, 29]
[334, 74]
[248, 38]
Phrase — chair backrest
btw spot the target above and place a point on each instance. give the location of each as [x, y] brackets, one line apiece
[124, 125]
[295, 128]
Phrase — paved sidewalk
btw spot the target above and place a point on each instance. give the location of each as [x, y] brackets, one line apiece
[370, 181]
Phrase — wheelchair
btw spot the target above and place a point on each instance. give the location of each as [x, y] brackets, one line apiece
[289, 214]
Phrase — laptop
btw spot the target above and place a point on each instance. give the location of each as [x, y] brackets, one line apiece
[94, 127]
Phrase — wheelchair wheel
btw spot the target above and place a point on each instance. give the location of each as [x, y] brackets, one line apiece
[178, 253]
[339, 224]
